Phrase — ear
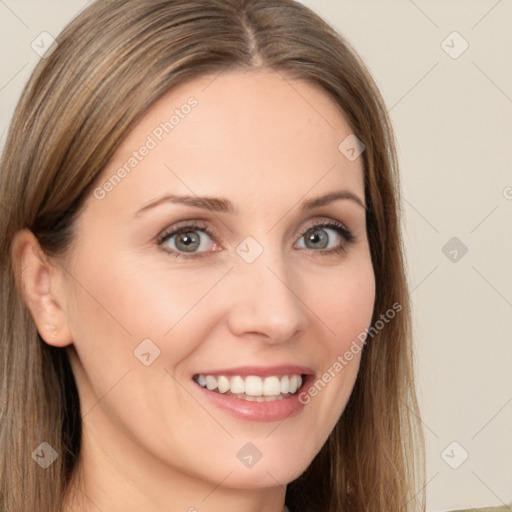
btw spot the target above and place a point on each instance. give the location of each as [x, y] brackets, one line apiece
[41, 286]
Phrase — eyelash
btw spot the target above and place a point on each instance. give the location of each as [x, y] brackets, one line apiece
[199, 226]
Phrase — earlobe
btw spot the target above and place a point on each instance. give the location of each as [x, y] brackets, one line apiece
[39, 284]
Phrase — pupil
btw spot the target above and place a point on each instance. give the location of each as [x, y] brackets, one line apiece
[189, 241]
[318, 236]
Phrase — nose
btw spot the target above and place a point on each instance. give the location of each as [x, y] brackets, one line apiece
[265, 302]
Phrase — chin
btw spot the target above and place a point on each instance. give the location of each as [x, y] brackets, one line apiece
[273, 473]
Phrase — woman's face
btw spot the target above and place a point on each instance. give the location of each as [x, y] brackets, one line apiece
[248, 283]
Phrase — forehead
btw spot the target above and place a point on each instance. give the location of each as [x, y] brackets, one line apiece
[236, 133]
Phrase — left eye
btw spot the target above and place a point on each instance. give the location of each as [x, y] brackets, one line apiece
[322, 237]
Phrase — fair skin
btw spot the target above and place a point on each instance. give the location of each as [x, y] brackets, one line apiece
[152, 439]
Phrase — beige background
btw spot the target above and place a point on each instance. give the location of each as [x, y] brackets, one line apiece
[453, 120]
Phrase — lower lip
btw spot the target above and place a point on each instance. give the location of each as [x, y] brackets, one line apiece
[277, 410]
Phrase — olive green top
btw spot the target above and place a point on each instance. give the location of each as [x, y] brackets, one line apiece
[488, 509]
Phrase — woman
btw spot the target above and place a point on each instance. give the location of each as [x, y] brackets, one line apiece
[204, 301]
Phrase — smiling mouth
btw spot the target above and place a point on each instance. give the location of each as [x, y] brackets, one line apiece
[252, 387]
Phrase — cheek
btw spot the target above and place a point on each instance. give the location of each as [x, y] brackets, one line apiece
[344, 301]
[344, 306]
[130, 301]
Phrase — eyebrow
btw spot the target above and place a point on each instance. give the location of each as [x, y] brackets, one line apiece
[221, 205]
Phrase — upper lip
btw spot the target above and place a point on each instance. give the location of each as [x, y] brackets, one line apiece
[263, 371]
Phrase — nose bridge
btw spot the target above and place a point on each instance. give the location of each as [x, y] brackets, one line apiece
[265, 300]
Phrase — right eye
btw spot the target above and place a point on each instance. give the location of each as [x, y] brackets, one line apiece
[187, 241]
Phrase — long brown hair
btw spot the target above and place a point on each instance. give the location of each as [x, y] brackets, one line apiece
[111, 64]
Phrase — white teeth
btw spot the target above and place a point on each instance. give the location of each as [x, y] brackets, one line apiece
[252, 387]
[223, 383]
[294, 383]
[211, 382]
[237, 385]
[271, 386]
[285, 384]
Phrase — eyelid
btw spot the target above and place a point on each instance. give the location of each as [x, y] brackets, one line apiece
[198, 224]
[330, 223]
